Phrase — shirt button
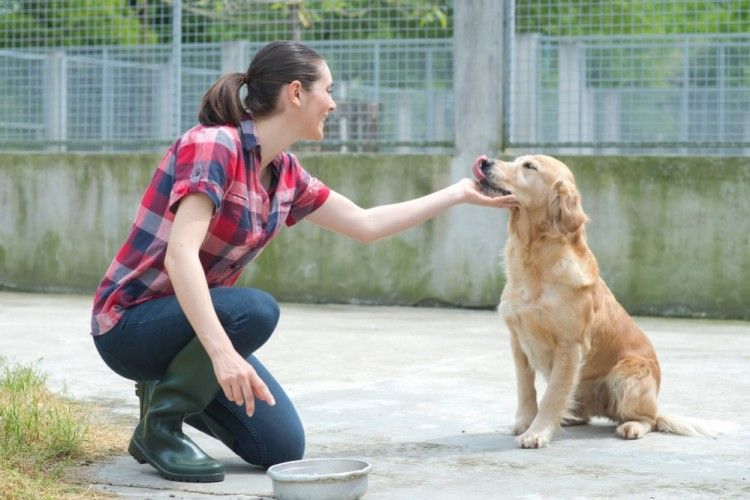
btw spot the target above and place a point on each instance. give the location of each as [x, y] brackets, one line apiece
[263, 225]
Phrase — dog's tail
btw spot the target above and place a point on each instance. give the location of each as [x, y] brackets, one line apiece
[691, 427]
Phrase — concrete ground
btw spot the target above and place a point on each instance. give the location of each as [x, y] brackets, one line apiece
[427, 396]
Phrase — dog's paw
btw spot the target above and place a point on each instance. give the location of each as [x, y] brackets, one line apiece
[572, 421]
[521, 426]
[531, 439]
[633, 430]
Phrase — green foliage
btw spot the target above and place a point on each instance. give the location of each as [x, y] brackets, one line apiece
[35, 427]
[40, 436]
[45, 23]
[632, 17]
[41, 23]
[316, 20]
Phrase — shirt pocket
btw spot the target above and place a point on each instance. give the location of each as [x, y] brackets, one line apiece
[236, 206]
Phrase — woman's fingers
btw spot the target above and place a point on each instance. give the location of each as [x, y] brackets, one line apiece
[261, 390]
[241, 384]
[245, 388]
[247, 397]
[507, 201]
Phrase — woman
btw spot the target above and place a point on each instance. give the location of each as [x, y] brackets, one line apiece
[166, 314]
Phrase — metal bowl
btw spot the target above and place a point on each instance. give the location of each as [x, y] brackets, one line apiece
[320, 479]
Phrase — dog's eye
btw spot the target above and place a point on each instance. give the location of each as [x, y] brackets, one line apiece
[529, 165]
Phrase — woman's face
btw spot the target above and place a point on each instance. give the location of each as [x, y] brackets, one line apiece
[318, 103]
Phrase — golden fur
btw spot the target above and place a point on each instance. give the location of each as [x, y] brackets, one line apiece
[564, 322]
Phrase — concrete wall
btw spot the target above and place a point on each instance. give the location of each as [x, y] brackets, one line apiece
[672, 234]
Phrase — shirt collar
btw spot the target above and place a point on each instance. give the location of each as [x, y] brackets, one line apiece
[250, 140]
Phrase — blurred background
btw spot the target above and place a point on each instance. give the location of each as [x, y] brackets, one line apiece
[664, 76]
[648, 101]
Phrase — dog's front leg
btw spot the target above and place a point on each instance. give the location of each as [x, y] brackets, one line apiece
[526, 392]
[557, 397]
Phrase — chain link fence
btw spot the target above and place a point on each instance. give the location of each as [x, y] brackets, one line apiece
[583, 76]
[657, 76]
[129, 74]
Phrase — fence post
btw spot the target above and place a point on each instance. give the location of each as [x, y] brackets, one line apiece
[106, 105]
[477, 77]
[403, 120]
[610, 120]
[233, 57]
[165, 103]
[176, 68]
[56, 112]
[343, 119]
[525, 92]
[478, 58]
[574, 120]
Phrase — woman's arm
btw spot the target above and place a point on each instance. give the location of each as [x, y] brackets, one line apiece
[343, 216]
[236, 377]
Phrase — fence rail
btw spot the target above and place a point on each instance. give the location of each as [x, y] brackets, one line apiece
[658, 76]
[683, 93]
[390, 94]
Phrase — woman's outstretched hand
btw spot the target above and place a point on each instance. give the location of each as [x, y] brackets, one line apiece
[472, 194]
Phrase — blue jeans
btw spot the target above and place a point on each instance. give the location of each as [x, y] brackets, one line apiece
[147, 337]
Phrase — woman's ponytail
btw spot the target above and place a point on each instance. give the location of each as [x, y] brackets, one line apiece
[275, 65]
[222, 104]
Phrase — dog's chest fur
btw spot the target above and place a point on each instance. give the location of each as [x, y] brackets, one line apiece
[538, 302]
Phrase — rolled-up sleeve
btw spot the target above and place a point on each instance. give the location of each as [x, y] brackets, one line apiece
[203, 165]
[310, 193]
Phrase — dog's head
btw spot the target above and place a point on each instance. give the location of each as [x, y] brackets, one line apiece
[543, 186]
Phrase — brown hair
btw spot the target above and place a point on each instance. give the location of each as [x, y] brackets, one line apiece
[275, 65]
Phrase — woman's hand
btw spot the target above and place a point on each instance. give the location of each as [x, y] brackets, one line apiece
[239, 381]
[471, 193]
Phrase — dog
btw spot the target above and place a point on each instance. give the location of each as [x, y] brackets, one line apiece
[564, 321]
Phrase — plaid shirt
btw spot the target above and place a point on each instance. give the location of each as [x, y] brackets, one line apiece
[214, 161]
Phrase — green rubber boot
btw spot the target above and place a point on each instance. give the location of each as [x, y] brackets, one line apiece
[201, 421]
[186, 389]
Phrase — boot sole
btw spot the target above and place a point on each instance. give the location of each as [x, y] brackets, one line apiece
[142, 458]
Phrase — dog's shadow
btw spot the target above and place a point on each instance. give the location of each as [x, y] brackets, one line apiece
[504, 440]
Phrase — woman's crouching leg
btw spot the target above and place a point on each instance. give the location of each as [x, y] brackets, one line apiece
[273, 434]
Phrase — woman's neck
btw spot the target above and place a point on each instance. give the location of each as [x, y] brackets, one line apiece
[274, 135]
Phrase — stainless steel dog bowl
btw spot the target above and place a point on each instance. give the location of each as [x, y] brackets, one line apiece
[320, 479]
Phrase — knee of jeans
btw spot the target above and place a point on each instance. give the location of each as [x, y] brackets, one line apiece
[287, 448]
[257, 315]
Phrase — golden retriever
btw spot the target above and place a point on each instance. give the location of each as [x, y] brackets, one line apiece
[564, 322]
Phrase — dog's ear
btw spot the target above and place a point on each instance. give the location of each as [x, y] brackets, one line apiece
[565, 210]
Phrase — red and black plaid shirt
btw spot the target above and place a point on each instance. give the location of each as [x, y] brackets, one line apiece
[219, 163]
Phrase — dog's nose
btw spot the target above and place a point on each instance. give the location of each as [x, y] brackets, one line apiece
[486, 164]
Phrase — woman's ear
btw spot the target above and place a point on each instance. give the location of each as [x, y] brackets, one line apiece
[565, 210]
[294, 93]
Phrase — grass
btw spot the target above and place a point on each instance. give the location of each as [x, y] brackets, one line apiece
[45, 439]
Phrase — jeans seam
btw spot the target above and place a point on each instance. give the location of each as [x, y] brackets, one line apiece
[237, 411]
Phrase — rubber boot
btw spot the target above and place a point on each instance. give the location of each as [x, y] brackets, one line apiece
[201, 421]
[187, 387]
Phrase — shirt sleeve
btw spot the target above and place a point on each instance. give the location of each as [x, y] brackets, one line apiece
[204, 163]
[309, 194]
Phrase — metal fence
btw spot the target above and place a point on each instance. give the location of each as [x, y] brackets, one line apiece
[129, 74]
[658, 76]
[646, 76]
